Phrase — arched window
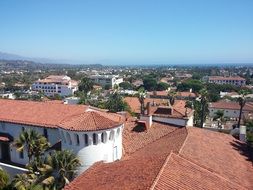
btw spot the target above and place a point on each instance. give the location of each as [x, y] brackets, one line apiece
[69, 139]
[104, 137]
[63, 136]
[86, 139]
[118, 132]
[77, 139]
[95, 139]
[111, 137]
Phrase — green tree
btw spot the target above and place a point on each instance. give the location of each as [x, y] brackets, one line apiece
[115, 103]
[58, 169]
[171, 97]
[203, 102]
[24, 181]
[126, 85]
[193, 84]
[162, 86]
[4, 178]
[219, 116]
[242, 101]
[86, 85]
[249, 125]
[141, 96]
[149, 83]
[31, 141]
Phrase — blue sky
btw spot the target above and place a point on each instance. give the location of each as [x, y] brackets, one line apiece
[129, 31]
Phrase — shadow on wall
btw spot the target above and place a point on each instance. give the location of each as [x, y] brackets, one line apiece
[244, 149]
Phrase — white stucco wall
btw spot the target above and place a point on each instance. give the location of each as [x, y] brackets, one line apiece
[15, 129]
[227, 112]
[190, 121]
[107, 151]
[173, 121]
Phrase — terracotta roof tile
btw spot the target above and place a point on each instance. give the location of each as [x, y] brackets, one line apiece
[180, 173]
[219, 153]
[37, 113]
[53, 115]
[200, 160]
[230, 105]
[226, 78]
[137, 170]
[91, 121]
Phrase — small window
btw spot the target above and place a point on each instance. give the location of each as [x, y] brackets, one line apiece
[3, 125]
[86, 140]
[95, 139]
[63, 136]
[69, 139]
[118, 132]
[104, 137]
[111, 137]
[77, 139]
[23, 129]
[45, 133]
[21, 154]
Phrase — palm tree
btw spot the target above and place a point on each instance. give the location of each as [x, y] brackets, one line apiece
[188, 104]
[141, 96]
[58, 169]
[219, 116]
[203, 102]
[31, 141]
[24, 181]
[171, 97]
[85, 85]
[4, 178]
[242, 101]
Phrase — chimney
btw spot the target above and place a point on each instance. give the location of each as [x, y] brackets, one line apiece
[148, 108]
[190, 90]
[242, 136]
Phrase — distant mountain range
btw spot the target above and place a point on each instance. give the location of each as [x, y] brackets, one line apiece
[9, 56]
[11, 61]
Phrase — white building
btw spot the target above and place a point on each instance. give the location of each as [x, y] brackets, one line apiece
[91, 134]
[7, 95]
[231, 109]
[53, 84]
[104, 80]
[234, 80]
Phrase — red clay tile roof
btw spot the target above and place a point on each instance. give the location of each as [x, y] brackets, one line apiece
[133, 141]
[180, 173]
[178, 110]
[189, 158]
[219, 153]
[138, 169]
[230, 105]
[186, 94]
[91, 121]
[226, 78]
[179, 105]
[53, 115]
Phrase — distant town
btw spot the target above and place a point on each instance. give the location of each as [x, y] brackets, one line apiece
[129, 127]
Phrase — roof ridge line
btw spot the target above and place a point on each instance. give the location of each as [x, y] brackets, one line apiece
[208, 170]
[183, 145]
[93, 118]
[161, 170]
[156, 140]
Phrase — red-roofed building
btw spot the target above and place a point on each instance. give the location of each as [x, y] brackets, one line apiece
[165, 157]
[177, 114]
[234, 80]
[231, 109]
[56, 85]
[92, 134]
